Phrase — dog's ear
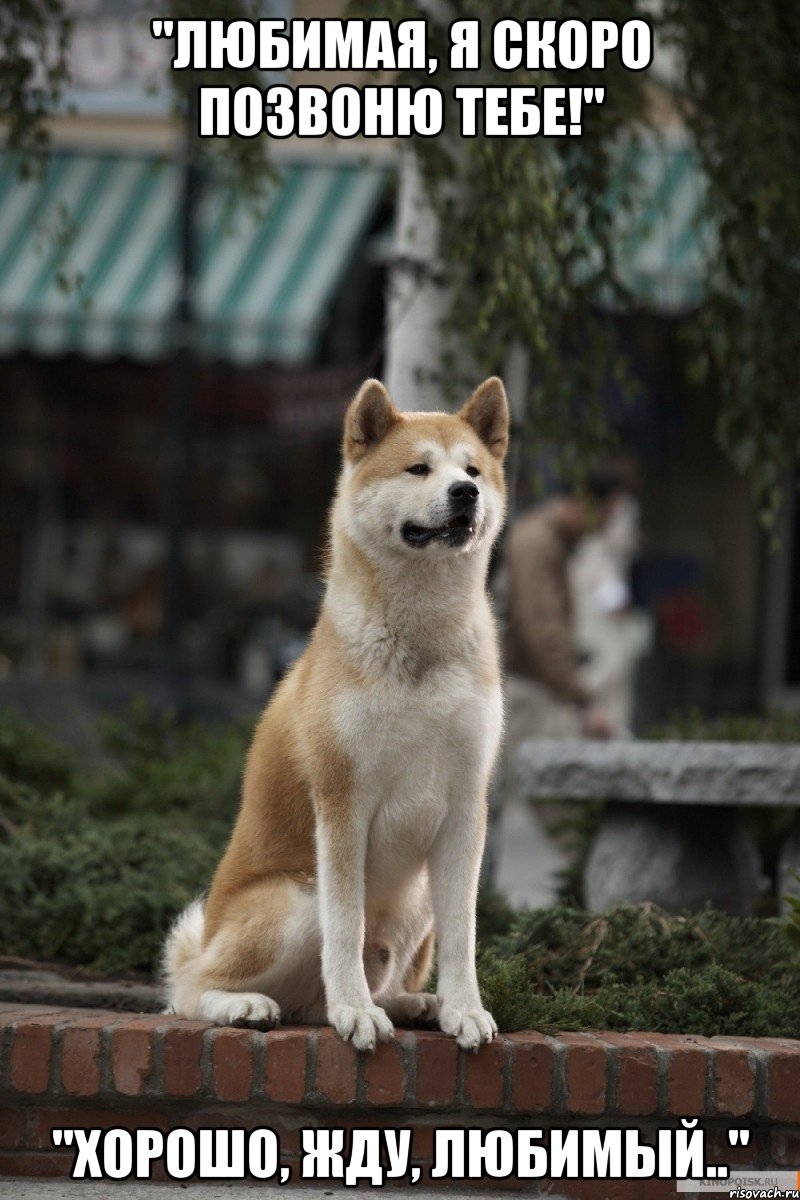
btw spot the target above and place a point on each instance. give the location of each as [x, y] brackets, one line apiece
[369, 418]
[487, 412]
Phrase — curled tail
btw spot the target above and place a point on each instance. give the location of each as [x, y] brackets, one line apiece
[180, 959]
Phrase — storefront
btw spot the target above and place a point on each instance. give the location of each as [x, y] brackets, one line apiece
[287, 313]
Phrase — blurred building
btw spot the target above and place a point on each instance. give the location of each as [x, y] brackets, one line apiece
[289, 306]
[288, 316]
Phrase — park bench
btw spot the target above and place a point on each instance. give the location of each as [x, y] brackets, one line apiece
[672, 830]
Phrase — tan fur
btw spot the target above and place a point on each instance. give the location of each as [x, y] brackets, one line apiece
[304, 775]
[417, 974]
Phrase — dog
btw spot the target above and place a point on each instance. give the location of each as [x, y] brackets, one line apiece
[363, 812]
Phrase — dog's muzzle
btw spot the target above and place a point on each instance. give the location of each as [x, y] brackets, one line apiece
[462, 499]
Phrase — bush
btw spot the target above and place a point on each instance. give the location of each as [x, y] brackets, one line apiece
[691, 725]
[100, 895]
[30, 756]
[159, 765]
[95, 862]
[637, 968]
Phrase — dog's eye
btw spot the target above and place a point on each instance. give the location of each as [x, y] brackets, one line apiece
[419, 469]
[472, 471]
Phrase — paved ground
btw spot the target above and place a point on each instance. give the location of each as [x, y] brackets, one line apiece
[67, 1189]
[527, 858]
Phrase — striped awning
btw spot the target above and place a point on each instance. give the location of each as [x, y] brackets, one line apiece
[663, 244]
[89, 258]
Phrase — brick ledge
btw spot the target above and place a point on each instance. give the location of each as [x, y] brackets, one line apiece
[68, 1053]
[100, 1067]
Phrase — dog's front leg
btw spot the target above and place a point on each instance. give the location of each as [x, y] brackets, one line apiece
[341, 858]
[454, 866]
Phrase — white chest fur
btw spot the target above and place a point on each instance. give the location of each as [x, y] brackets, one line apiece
[416, 750]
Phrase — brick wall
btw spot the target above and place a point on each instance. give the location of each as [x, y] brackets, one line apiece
[79, 1067]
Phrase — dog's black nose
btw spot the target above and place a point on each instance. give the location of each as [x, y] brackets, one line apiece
[462, 494]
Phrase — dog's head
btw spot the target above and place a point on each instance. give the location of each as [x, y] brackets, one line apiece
[424, 484]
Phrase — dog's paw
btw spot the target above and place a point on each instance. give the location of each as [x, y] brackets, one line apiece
[413, 1006]
[469, 1026]
[364, 1027]
[251, 1009]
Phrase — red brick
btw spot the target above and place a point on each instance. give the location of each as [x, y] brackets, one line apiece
[31, 1054]
[766, 1043]
[288, 1136]
[585, 1074]
[687, 1061]
[158, 1173]
[785, 1148]
[385, 1073]
[43, 1120]
[484, 1082]
[610, 1189]
[784, 1085]
[337, 1068]
[422, 1140]
[80, 1061]
[132, 1056]
[657, 1189]
[427, 1186]
[12, 1013]
[237, 1117]
[152, 1023]
[182, 1048]
[734, 1083]
[725, 1042]
[286, 1065]
[367, 1120]
[25, 1164]
[12, 1128]
[437, 1061]
[486, 1183]
[531, 1073]
[637, 1073]
[596, 1189]
[719, 1150]
[93, 1017]
[232, 1063]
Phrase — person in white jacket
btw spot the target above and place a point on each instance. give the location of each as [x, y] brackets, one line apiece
[610, 634]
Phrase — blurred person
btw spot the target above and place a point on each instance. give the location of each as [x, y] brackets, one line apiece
[611, 634]
[547, 695]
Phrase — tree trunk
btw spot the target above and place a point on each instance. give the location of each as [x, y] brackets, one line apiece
[418, 299]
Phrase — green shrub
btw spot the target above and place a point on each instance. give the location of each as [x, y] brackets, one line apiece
[691, 725]
[30, 756]
[567, 947]
[792, 924]
[710, 1002]
[637, 968]
[158, 764]
[100, 895]
[95, 863]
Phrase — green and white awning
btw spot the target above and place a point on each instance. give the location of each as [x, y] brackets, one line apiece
[89, 252]
[89, 258]
[662, 243]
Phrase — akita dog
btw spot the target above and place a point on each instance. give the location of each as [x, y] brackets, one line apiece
[363, 814]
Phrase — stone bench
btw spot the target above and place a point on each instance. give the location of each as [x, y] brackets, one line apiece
[672, 832]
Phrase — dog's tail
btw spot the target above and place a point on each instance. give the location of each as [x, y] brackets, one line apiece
[180, 959]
